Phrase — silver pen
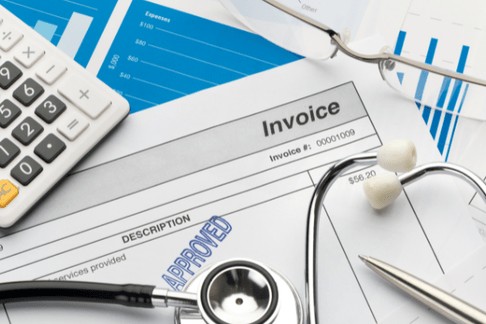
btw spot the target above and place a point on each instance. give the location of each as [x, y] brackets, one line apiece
[439, 300]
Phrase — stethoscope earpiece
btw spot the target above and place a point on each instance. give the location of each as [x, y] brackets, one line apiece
[397, 156]
[382, 190]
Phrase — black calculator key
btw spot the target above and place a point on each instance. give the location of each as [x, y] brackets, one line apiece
[8, 152]
[8, 113]
[50, 148]
[26, 170]
[9, 73]
[28, 92]
[50, 109]
[27, 131]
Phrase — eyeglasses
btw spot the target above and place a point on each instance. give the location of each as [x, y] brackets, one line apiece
[430, 86]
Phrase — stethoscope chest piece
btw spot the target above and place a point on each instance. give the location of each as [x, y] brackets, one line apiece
[241, 292]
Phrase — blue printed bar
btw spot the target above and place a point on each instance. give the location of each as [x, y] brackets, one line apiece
[457, 119]
[400, 41]
[45, 29]
[440, 104]
[423, 78]
[453, 100]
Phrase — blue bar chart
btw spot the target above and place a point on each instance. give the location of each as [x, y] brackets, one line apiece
[73, 26]
[161, 54]
[441, 122]
[450, 37]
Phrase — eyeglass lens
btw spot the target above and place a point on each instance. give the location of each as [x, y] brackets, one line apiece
[432, 91]
[281, 28]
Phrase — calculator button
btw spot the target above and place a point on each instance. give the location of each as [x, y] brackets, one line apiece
[28, 54]
[28, 92]
[27, 131]
[26, 170]
[8, 192]
[8, 152]
[8, 113]
[50, 148]
[50, 71]
[9, 73]
[9, 37]
[85, 96]
[72, 126]
[50, 109]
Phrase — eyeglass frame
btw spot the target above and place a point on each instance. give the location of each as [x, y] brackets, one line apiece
[383, 59]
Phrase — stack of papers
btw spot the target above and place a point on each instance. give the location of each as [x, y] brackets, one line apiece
[249, 149]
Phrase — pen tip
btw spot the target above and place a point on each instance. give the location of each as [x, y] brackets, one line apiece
[363, 258]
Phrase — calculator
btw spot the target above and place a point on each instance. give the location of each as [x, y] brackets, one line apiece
[52, 113]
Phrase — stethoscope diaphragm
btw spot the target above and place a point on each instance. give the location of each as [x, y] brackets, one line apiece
[241, 291]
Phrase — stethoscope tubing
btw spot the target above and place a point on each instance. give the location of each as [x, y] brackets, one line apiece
[313, 217]
[126, 295]
[132, 295]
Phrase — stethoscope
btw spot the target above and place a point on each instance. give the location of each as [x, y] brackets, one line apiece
[247, 292]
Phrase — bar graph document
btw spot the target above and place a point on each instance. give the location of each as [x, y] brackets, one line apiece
[448, 35]
[160, 54]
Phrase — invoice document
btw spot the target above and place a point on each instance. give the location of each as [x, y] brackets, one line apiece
[250, 152]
